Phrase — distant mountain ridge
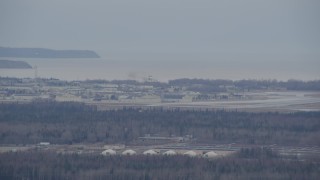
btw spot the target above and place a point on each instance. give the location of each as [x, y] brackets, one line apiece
[8, 64]
[45, 53]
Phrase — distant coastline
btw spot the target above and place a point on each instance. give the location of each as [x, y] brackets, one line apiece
[45, 53]
[9, 64]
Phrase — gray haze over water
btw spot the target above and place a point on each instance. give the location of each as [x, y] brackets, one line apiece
[229, 39]
[164, 70]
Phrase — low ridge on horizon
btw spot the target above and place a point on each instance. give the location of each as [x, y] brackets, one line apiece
[46, 53]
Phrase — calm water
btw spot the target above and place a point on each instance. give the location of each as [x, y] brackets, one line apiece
[164, 70]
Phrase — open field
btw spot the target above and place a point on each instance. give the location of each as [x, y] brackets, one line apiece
[284, 101]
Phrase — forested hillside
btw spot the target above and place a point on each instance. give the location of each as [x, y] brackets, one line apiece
[247, 164]
[66, 123]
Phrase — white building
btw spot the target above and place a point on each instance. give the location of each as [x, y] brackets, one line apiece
[129, 152]
[109, 152]
[44, 143]
[210, 154]
[190, 154]
[150, 152]
[170, 153]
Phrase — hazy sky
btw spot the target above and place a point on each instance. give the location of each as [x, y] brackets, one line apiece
[183, 28]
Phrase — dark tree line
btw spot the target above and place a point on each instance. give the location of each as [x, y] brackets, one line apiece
[247, 164]
[66, 123]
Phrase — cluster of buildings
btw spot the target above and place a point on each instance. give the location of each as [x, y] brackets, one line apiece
[96, 91]
[152, 152]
